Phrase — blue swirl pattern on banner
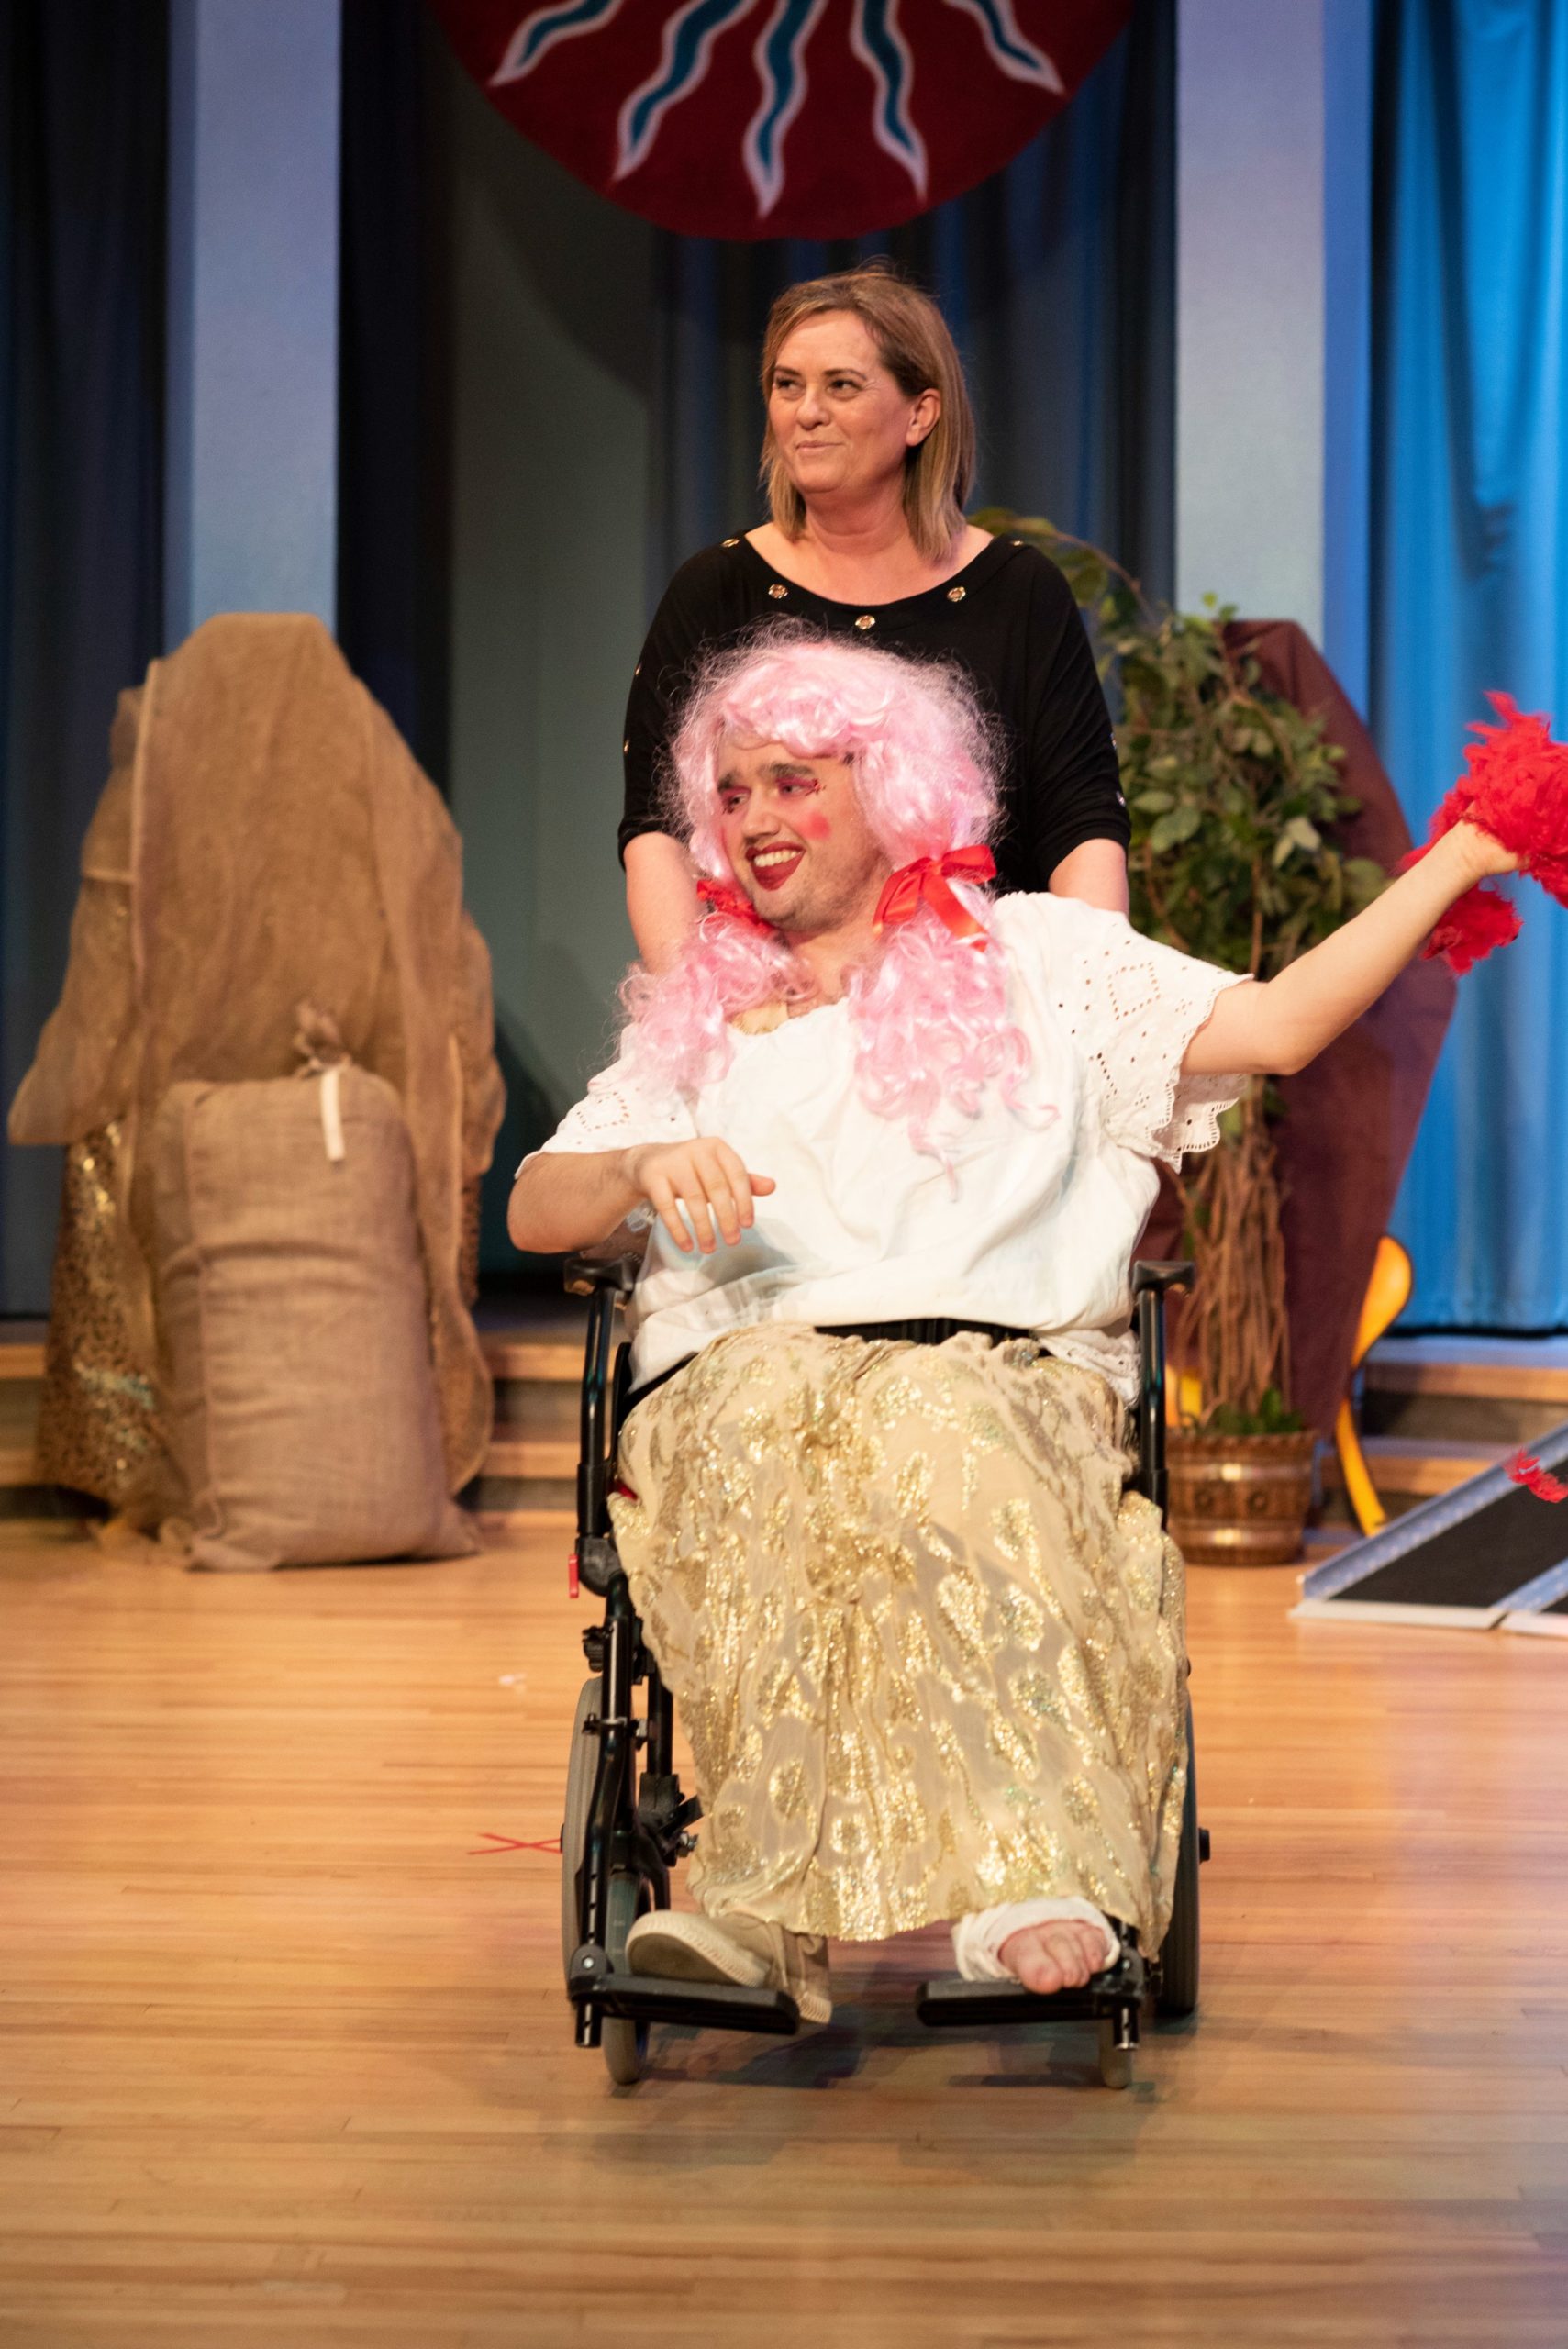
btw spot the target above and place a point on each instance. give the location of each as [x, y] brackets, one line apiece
[748, 118]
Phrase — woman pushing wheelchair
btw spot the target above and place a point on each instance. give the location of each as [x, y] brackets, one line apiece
[927, 1645]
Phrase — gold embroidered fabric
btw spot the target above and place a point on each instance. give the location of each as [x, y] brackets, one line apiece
[100, 1429]
[928, 1649]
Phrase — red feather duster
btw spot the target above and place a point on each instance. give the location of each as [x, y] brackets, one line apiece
[1528, 1471]
[1515, 787]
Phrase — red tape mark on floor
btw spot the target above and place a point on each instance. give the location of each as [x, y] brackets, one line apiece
[494, 1842]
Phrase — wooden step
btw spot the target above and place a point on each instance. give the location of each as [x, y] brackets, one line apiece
[1527, 1370]
[1486, 1395]
[532, 1462]
[1438, 1390]
[1406, 1469]
[529, 1457]
[554, 1361]
[551, 1361]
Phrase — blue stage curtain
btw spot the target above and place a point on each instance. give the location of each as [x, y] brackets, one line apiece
[1471, 587]
[83, 141]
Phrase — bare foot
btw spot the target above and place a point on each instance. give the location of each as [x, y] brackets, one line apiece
[1059, 1957]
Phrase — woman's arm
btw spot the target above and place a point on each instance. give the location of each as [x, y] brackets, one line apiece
[702, 607]
[1096, 870]
[660, 897]
[1073, 821]
[1275, 1027]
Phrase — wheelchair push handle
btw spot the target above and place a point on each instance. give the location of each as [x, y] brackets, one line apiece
[1155, 1274]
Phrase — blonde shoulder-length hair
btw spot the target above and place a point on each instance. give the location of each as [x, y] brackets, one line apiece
[913, 342]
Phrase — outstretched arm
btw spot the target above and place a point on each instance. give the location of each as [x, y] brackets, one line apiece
[565, 1199]
[1276, 1026]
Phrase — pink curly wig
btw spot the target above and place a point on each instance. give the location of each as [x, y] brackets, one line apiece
[930, 1011]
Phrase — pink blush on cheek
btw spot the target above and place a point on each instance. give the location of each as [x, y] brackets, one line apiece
[811, 826]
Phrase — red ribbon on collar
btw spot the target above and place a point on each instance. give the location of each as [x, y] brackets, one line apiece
[725, 898]
[925, 883]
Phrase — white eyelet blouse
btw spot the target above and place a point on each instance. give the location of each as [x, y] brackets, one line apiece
[1029, 1216]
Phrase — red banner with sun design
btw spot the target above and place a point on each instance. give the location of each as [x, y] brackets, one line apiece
[746, 119]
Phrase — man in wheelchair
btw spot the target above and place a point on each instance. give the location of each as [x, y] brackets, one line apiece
[893, 1141]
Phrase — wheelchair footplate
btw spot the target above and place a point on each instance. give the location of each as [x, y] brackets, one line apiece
[1115, 1996]
[652, 1998]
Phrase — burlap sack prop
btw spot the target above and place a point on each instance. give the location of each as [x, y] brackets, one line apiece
[294, 1325]
[265, 837]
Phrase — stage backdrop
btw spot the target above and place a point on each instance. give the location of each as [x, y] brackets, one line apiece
[549, 404]
[1470, 590]
[743, 118]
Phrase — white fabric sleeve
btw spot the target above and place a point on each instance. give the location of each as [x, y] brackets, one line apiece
[1133, 1007]
[619, 1108]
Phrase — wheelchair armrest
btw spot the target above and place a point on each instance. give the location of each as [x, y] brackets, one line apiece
[1151, 1277]
[604, 1281]
[584, 1275]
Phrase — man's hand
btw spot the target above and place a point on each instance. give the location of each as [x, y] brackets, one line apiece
[1486, 857]
[705, 1177]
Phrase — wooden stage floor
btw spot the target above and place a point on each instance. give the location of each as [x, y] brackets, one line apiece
[285, 2059]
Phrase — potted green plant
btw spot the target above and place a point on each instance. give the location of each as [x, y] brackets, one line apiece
[1233, 793]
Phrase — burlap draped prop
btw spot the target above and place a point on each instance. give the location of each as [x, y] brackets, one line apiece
[1351, 1117]
[265, 838]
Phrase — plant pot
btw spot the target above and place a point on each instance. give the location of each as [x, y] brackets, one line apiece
[1240, 1500]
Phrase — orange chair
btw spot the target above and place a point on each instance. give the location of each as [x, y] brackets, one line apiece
[1387, 1295]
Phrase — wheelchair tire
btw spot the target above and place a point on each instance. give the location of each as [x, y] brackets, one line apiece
[624, 2044]
[1177, 1994]
[581, 1764]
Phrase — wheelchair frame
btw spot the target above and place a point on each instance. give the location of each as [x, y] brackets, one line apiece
[625, 1830]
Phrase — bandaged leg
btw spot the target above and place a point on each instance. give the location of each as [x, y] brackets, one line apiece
[977, 1940]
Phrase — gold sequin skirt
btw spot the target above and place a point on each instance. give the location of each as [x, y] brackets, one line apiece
[926, 1648]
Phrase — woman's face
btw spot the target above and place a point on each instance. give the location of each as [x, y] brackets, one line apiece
[839, 421]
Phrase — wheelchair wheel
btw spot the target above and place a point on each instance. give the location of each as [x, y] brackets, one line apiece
[625, 2043]
[1178, 1989]
[582, 1763]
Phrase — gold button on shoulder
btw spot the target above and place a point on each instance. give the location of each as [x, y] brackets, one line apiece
[626, 746]
[1017, 542]
[866, 619]
[778, 593]
[957, 595]
[637, 671]
[732, 542]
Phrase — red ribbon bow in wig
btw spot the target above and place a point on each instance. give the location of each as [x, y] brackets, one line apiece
[725, 898]
[925, 883]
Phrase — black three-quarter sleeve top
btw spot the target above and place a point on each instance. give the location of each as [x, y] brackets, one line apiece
[1008, 617]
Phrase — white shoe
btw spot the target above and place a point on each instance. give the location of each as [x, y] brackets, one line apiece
[680, 1946]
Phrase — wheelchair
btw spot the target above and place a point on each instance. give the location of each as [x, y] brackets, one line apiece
[627, 1823]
